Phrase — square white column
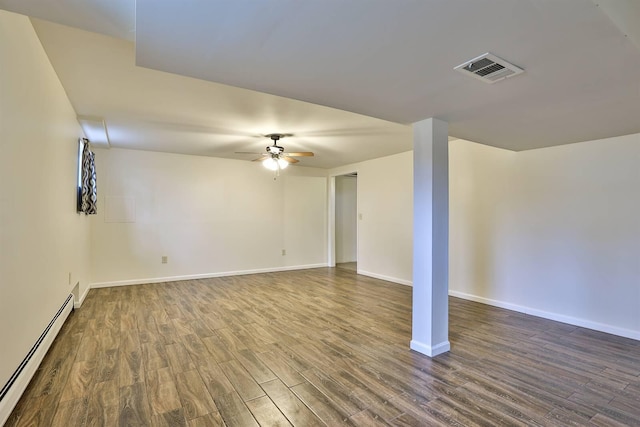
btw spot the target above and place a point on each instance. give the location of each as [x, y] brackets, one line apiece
[430, 327]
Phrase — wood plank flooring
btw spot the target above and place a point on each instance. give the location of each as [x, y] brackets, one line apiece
[353, 266]
[319, 347]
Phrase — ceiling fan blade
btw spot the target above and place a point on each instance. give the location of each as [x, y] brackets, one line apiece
[289, 159]
[247, 152]
[301, 154]
[259, 159]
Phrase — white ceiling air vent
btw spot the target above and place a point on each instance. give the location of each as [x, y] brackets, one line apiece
[489, 68]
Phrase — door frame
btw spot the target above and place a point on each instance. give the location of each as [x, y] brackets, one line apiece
[331, 238]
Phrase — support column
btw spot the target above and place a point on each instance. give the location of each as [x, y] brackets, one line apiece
[430, 328]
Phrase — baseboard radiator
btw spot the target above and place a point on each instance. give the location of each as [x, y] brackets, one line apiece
[18, 382]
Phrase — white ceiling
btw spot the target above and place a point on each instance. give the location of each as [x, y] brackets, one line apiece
[378, 58]
[151, 110]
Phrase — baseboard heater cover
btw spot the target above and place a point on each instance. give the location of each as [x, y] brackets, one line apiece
[13, 389]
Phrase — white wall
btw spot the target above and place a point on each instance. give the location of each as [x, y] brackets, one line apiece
[553, 232]
[305, 217]
[346, 218]
[385, 200]
[576, 247]
[480, 185]
[207, 215]
[42, 238]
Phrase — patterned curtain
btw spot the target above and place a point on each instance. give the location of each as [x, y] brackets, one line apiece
[88, 189]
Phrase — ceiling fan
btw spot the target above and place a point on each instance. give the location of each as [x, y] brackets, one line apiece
[275, 157]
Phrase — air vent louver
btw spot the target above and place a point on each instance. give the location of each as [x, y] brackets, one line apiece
[489, 68]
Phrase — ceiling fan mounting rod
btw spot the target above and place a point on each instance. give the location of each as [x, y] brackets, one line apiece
[275, 136]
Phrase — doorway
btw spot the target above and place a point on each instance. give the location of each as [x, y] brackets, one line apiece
[346, 221]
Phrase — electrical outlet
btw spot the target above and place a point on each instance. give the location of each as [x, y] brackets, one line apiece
[165, 259]
[284, 252]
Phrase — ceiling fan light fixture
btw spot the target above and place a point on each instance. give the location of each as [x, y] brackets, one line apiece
[275, 163]
[270, 163]
[274, 158]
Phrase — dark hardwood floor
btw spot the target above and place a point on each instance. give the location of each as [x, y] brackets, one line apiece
[319, 347]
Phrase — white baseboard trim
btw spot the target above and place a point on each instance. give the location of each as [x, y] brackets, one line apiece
[204, 276]
[387, 278]
[614, 330]
[431, 351]
[17, 384]
[78, 304]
